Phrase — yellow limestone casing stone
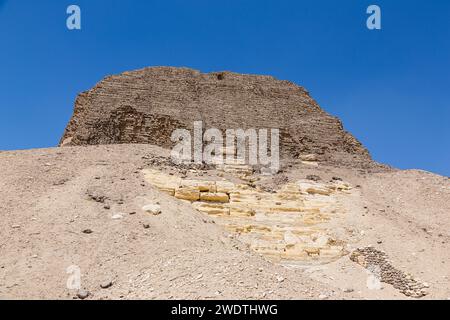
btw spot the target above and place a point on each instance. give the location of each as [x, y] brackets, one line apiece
[200, 185]
[187, 193]
[212, 208]
[284, 226]
[225, 186]
[214, 197]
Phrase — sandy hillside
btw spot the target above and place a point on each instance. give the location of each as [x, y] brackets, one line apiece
[82, 206]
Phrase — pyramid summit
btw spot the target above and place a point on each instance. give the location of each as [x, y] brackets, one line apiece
[146, 106]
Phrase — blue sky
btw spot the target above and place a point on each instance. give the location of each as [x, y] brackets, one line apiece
[390, 87]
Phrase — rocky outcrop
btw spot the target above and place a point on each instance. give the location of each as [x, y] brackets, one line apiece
[145, 106]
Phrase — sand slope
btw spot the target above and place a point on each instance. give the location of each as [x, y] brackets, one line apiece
[50, 196]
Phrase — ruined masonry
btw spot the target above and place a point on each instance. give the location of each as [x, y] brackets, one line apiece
[288, 226]
[146, 106]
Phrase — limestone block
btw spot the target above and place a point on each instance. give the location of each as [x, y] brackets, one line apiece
[310, 163]
[154, 209]
[186, 193]
[341, 186]
[169, 191]
[314, 188]
[296, 252]
[261, 229]
[201, 185]
[214, 197]
[161, 180]
[308, 157]
[312, 251]
[332, 252]
[238, 169]
[212, 208]
[225, 186]
[241, 211]
[290, 239]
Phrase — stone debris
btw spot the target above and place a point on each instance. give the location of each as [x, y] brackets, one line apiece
[117, 216]
[95, 196]
[373, 259]
[83, 294]
[154, 209]
[106, 284]
[286, 226]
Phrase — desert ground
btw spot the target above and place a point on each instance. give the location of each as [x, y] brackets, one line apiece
[83, 207]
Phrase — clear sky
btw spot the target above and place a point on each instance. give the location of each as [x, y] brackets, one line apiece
[390, 86]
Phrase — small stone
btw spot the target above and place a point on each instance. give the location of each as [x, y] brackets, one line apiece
[323, 297]
[106, 284]
[87, 231]
[107, 207]
[313, 177]
[348, 290]
[132, 213]
[83, 294]
[280, 278]
[16, 226]
[379, 242]
[146, 226]
[153, 209]
[117, 217]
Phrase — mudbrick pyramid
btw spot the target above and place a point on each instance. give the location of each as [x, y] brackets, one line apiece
[146, 106]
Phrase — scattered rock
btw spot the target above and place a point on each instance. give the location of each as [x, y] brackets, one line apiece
[83, 294]
[95, 196]
[117, 216]
[308, 157]
[106, 284]
[313, 177]
[153, 209]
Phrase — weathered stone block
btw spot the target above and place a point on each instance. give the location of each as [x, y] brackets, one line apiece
[214, 197]
[187, 194]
